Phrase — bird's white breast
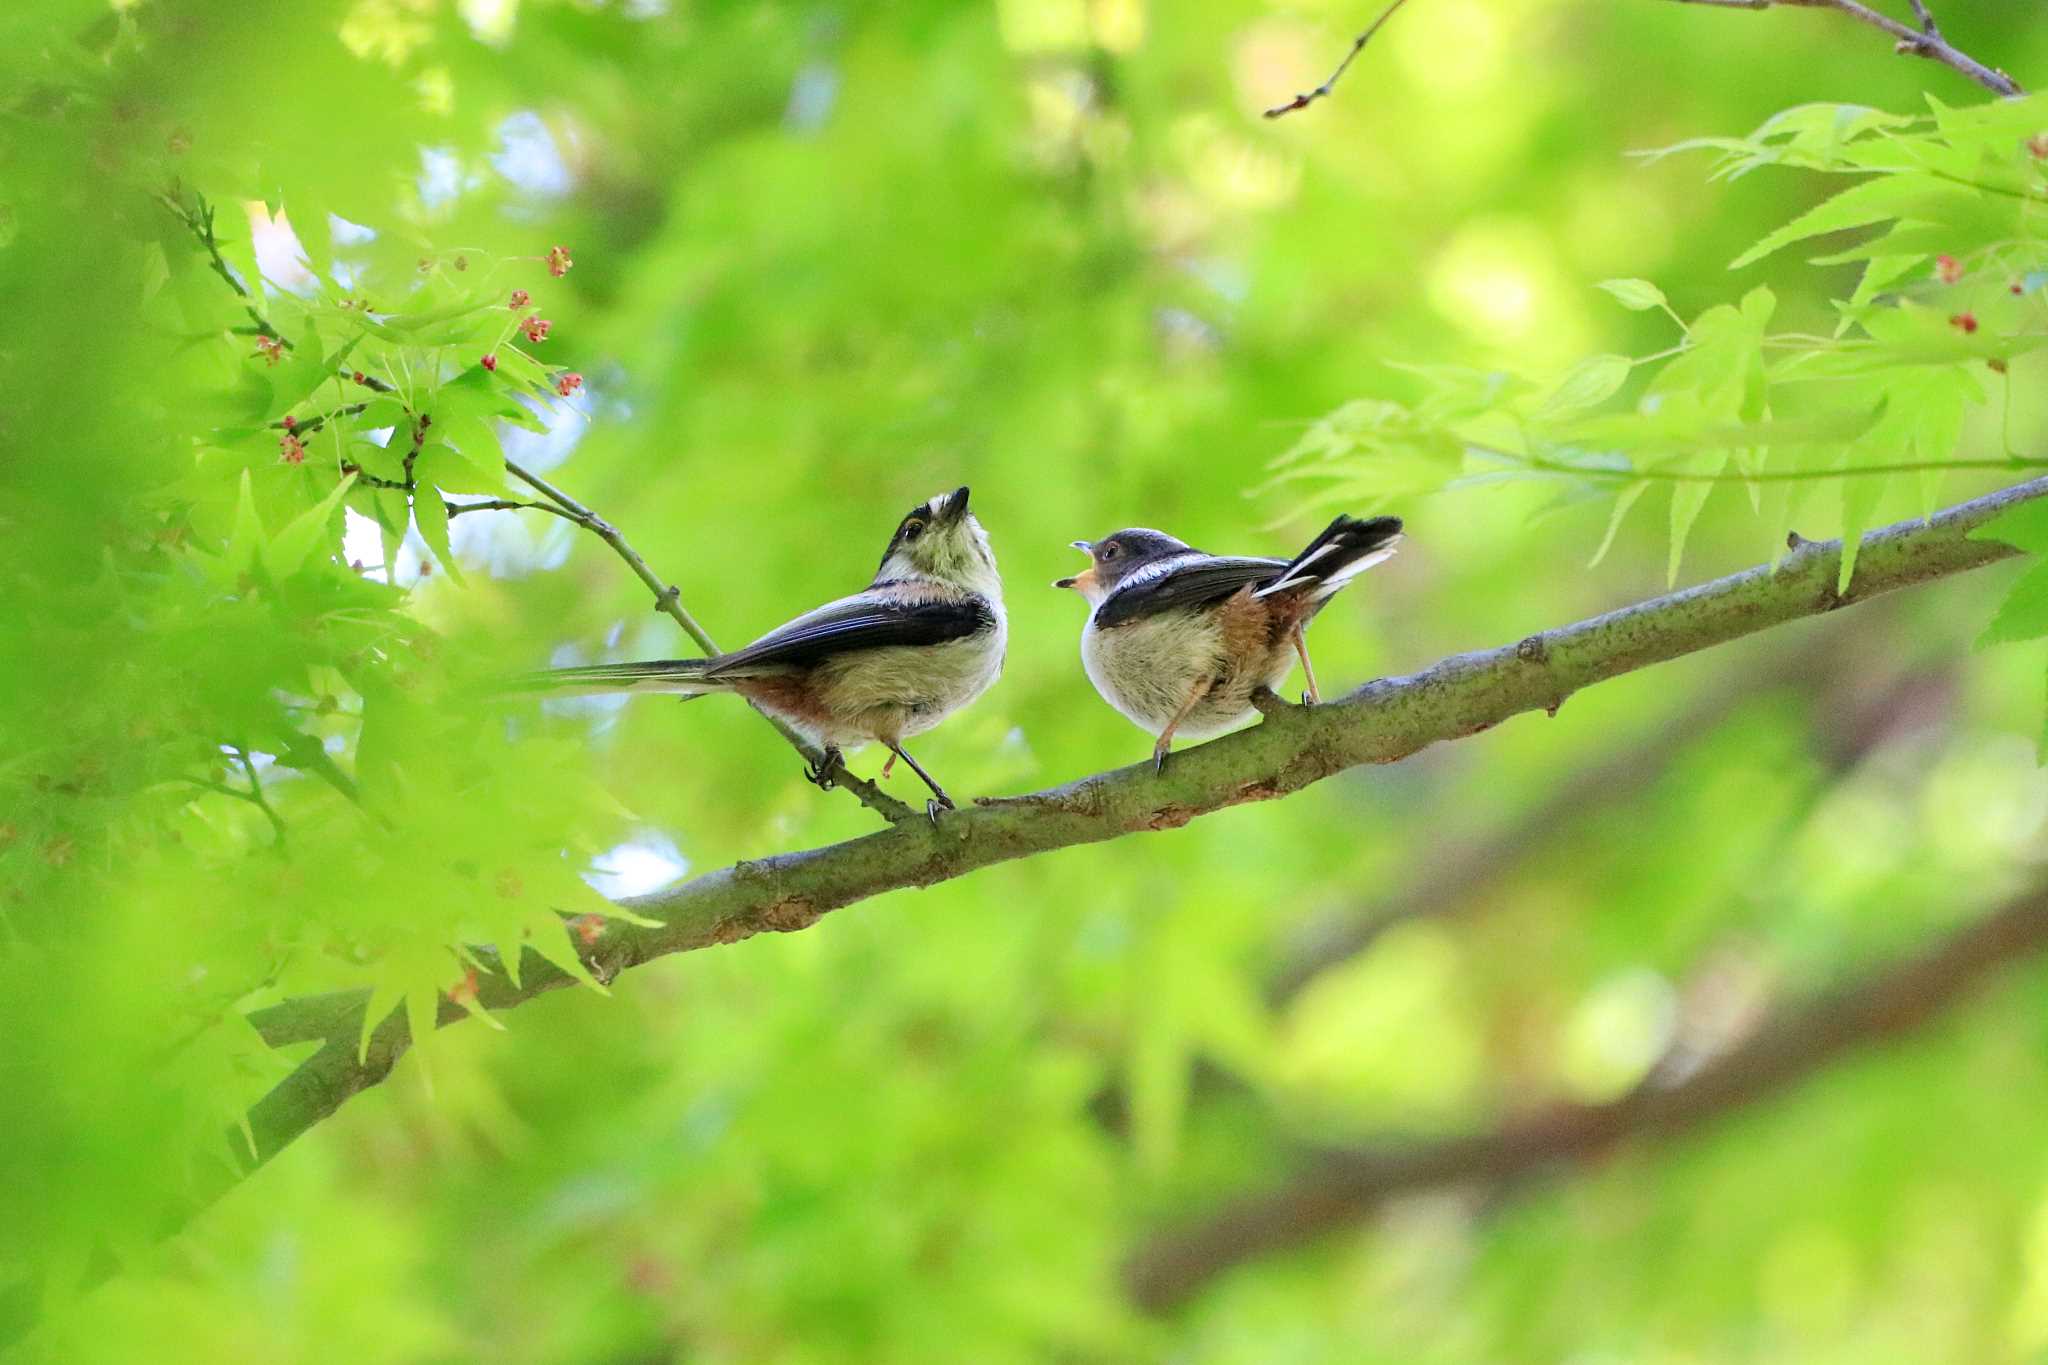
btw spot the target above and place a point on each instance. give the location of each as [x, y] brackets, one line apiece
[1146, 668]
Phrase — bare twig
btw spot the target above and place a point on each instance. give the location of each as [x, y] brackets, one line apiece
[456, 509]
[1322, 91]
[1925, 41]
[254, 796]
[1381, 722]
[1337, 1188]
[313, 424]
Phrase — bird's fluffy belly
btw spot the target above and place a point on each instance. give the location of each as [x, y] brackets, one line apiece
[1147, 668]
[900, 691]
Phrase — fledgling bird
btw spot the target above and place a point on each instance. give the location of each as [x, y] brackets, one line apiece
[922, 640]
[1180, 641]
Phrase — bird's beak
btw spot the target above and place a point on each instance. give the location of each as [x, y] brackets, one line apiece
[955, 505]
[1086, 577]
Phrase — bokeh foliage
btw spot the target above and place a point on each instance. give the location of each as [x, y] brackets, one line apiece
[827, 260]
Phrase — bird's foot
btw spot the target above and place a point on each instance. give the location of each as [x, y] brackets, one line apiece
[1159, 752]
[821, 773]
[937, 804]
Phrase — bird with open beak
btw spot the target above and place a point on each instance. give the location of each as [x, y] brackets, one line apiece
[1181, 641]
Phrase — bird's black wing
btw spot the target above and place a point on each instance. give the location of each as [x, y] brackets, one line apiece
[864, 621]
[1195, 584]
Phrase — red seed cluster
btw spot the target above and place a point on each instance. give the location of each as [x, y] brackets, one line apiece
[270, 348]
[588, 928]
[1964, 322]
[464, 991]
[290, 450]
[568, 383]
[536, 328]
[1947, 268]
[490, 362]
[520, 298]
[558, 261]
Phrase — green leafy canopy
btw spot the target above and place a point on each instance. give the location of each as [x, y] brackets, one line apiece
[1950, 294]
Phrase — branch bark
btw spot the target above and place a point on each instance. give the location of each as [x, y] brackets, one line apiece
[1926, 41]
[1341, 1187]
[1382, 722]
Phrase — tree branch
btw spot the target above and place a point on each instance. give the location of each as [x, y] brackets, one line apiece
[198, 220]
[1340, 1187]
[1304, 100]
[1925, 41]
[1381, 722]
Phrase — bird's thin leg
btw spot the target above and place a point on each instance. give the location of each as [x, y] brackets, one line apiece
[940, 801]
[1301, 649]
[890, 765]
[821, 771]
[1165, 740]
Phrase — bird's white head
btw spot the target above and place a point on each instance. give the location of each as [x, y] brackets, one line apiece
[940, 541]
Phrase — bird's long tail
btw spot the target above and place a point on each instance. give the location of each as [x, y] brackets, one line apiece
[1346, 548]
[681, 677]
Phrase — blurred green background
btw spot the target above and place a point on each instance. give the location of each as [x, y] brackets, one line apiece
[830, 259]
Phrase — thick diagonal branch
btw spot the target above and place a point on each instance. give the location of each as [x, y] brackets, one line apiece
[1381, 722]
[1338, 1188]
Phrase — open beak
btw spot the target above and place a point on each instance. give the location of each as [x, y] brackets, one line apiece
[1087, 575]
[955, 505]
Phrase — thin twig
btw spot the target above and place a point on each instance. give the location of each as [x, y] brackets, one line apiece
[254, 796]
[199, 221]
[1357, 46]
[456, 509]
[1925, 41]
[313, 424]
[668, 599]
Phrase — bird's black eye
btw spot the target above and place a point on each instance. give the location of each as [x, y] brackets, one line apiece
[912, 529]
[1107, 551]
